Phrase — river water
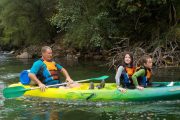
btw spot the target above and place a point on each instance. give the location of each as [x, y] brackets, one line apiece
[54, 109]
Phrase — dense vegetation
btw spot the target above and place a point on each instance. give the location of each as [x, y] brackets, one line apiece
[90, 24]
[25, 22]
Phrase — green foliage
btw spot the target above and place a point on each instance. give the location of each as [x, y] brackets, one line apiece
[25, 22]
[83, 21]
[89, 24]
[99, 23]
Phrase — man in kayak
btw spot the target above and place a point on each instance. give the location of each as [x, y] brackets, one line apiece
[46, 72]
[141, 78]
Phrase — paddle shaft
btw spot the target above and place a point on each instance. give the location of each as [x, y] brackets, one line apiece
[60, 84]
[18, 91]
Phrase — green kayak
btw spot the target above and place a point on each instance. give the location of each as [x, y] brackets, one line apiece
[158, 91]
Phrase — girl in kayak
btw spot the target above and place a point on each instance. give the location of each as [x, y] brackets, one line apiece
[143, 73]
[124, 72]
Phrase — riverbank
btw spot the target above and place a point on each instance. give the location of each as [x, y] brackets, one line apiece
[60, 50]
[161, 57]
[167, 55]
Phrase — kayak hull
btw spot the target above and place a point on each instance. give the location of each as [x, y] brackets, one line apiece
[110, 93]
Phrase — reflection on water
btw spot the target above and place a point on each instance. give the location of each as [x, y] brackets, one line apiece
[55, 109]
[1, 96]
[9, 76]
[167, 74]
[38, 109]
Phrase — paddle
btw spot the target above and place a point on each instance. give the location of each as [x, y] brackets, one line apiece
[13, 92]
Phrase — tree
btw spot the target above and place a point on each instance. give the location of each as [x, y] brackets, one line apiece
[100, 23]
[26, 22]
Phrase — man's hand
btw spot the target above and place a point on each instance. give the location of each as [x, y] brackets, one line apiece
[37, 81]
[66, 75]
[42, 87]
[69, 80]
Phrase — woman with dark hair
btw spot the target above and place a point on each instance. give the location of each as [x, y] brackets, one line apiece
[124, 72]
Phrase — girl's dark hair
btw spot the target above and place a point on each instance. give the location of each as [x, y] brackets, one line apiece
[144, 59]
[131, 56]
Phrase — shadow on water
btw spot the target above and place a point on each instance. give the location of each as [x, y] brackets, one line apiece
[41, 109]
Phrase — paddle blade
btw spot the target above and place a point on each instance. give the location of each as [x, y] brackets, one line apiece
[100, 78]
[13, 92]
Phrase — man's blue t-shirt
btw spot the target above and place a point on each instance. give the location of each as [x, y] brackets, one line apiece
[39, 65]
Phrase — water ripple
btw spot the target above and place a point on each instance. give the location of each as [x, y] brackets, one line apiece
[9, 76]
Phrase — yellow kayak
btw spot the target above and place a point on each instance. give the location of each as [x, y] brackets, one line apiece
[108, 93]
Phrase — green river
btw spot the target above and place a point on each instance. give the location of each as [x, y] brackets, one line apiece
[54, 109]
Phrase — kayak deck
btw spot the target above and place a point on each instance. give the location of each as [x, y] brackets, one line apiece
[109, 93]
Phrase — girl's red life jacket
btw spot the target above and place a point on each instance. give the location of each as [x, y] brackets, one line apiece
[130, 71]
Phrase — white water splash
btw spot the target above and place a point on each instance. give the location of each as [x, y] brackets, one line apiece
[170, 84]
[9, 76]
